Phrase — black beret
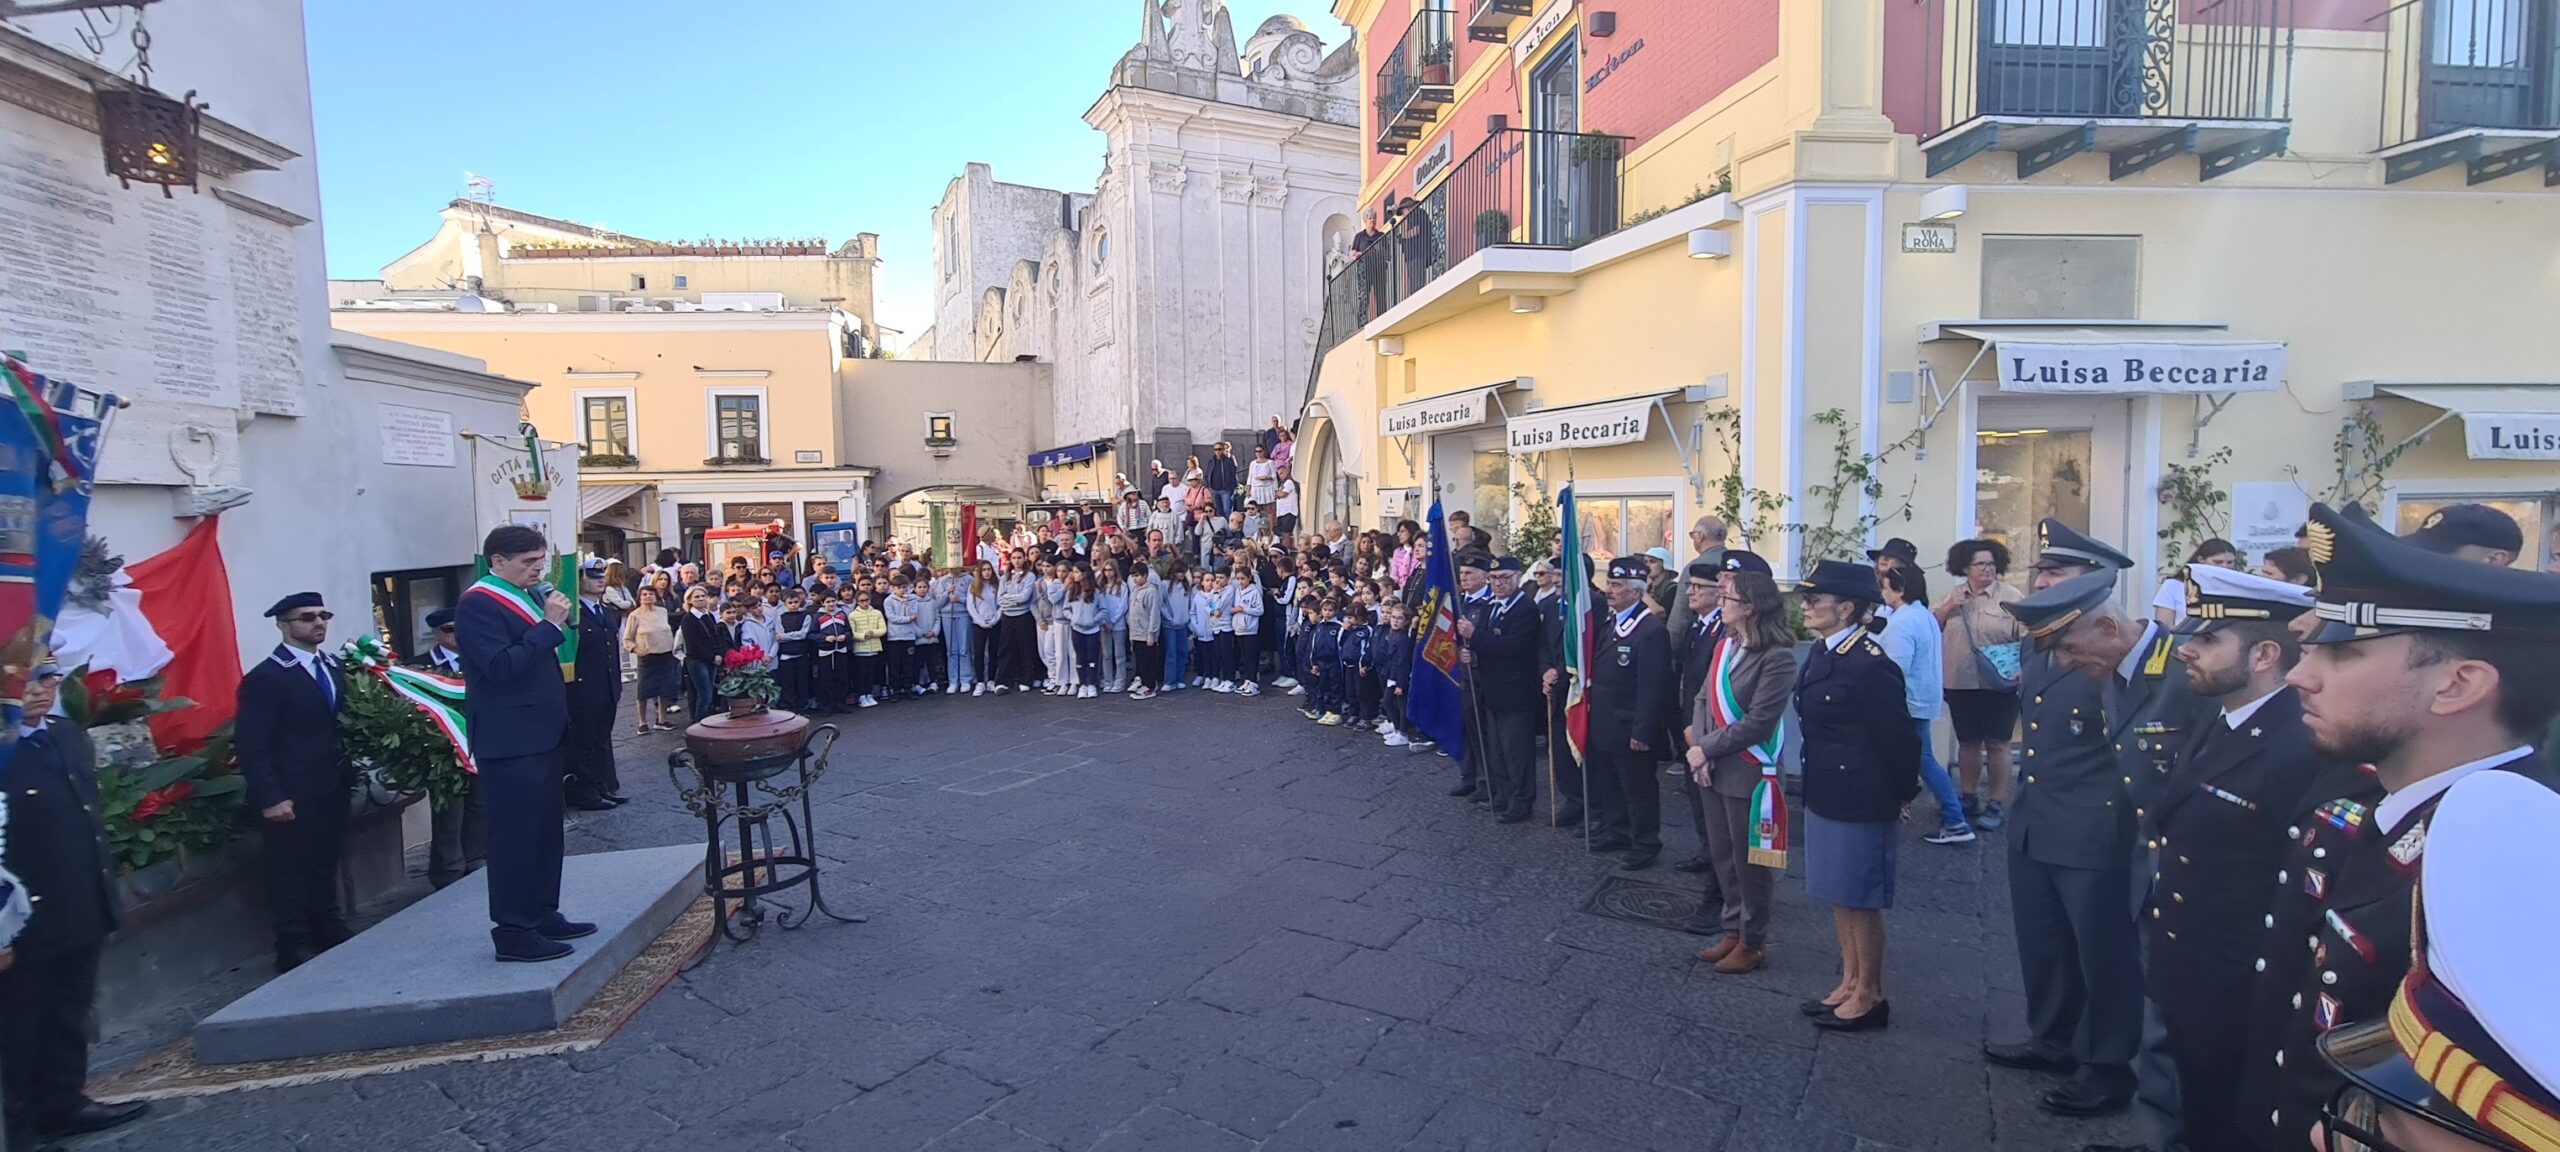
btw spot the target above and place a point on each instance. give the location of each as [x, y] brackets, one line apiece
[1476, 561]
[295, 603]
[441, 617]
[1507, 564]
[1739, 560]
[1701, 569]
[1628, 568]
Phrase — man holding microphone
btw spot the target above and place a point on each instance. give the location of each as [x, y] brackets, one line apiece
[509, 627]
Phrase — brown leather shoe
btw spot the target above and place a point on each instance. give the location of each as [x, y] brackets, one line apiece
[1742, 959]
[1722, 949]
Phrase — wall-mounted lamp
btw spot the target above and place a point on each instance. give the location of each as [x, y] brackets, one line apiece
[1945, 203]
[1709, 244]
[1390, 345]
[1523, 305]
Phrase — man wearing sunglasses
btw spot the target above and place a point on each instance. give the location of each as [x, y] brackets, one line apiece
[287, 738]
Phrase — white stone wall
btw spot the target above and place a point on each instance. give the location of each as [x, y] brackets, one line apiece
[981, 229]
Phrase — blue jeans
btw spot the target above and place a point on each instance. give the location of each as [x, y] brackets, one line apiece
[1115, 659]
[957, 671]
[1224, 499]
[698, 683]
[1941, 785]
[1177, 658]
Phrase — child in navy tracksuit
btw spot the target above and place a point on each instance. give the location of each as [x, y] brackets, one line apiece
[1394, 663]
[1359, 679]
[1324, 667]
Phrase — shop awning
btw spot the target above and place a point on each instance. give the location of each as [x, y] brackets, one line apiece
[1064, 454]
[595, 498]
[2514, 421]
[2049, 356]
[1627, 420]
[1442, 413]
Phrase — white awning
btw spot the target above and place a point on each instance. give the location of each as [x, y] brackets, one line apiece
[2070, 357]
[1444, 413]
[595, 498]
[1596, 425]
[2499, 421]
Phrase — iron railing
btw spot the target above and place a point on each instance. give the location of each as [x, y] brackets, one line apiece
[1414, 78]
[2106, 60]
[2450, 65]
[1521, 187]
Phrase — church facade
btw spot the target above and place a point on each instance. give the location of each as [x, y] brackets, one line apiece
[1178, 301]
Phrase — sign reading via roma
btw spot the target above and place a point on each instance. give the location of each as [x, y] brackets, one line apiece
[1583, 426]
[2026, 366]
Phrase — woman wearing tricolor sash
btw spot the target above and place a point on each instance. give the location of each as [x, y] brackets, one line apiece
[1736, 728]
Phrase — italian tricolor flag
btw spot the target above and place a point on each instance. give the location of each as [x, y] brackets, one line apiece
[1577, 629]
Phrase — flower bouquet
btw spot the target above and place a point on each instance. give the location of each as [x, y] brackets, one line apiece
[745, 682]
[403, 725]
[157, 803]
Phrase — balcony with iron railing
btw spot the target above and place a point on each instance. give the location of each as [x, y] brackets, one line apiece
[1491, 19]
[2471, 82]
[2144, 81]
[1414, 79]
[1520, 188]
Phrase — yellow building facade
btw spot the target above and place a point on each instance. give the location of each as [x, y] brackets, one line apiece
[1928, 270]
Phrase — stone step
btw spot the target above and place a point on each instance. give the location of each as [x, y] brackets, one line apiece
[427, 975]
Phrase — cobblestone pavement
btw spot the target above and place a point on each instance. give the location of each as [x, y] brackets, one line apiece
[1201, 924]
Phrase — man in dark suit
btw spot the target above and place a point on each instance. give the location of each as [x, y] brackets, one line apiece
[1502, 654]
[57, 848]
[1474, 595]
[593, 783]
[2237, 788]
[517, 706]
[287, 738]
[1631, 683]
[458, 832]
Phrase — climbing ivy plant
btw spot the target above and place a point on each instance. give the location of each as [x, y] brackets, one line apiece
[1747, 511]
[2362, 460]
[1856, 478]
[2197, 504]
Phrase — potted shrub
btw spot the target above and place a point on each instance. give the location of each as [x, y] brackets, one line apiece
[745, 683]
[1435, 64]
[1493, 226]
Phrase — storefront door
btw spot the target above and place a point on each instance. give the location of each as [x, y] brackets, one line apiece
[2066, 459]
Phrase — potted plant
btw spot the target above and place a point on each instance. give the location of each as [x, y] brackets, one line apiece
[1493, 226]
[1435, 64]
[744, 681]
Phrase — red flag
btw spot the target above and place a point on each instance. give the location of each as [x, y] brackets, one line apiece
[965, 557]
[186, 595]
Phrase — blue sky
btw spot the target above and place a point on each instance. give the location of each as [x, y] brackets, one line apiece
[678, 120]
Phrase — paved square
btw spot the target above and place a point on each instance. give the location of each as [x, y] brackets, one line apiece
[1197, 924]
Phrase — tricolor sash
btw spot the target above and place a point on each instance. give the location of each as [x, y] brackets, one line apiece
[1768, 840]
[516, 599]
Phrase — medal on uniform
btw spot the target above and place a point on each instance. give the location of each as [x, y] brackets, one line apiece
[2076, 726]
[2325, 1014]
[2411, 845]
[2315, 883]
[2362, 943]
[1626, 656]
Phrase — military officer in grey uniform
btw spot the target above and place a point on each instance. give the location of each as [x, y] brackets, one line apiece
[2070, 854]
[2237, 787]
[2436, 671]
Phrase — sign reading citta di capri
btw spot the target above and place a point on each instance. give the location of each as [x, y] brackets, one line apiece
[2027, 366]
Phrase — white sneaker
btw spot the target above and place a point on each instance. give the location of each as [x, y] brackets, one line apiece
[1250, 689]
[1284, 682]
[1143, 694]
[1396, 739]
[1222, 687]
[1199, 681]
[980, 690]
[1294, 689]
[866, 702]
[1086, 693]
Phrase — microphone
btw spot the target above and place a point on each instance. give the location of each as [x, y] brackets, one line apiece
[543, 591]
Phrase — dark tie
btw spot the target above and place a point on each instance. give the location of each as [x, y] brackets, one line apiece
[328, 690]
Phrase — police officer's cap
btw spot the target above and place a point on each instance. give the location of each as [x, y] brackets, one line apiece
[1476, 561]
[2045, 614]
[2216, 595]
[1738, 560]
[1509, 564]
[2470, 1044]
[2456, 525]
[592, 566]
[2369, 583]
[440, 618]
[1627, 568]
[2060, 545]
[295, 603]
[1844, 580]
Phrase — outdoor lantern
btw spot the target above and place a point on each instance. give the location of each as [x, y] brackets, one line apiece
[149, 137]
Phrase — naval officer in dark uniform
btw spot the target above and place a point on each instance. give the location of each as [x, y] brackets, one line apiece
[57, 848]
[458, 832]
[593, 783]
[1502, 653]
[286, 734]
[2432, 669]
[1631, 683]
[2071, 844]
[518, 709]
[2237, 786]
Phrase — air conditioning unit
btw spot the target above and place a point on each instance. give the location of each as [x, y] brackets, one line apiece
[594, 303]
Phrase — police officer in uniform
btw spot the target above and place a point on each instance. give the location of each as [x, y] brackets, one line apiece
[1502, 662]
[2237, 786]
[1631, 683]
[1474, 570]
[457, 833]
[2434, 670]
[594, 785]
[57, 848]
[286, 735]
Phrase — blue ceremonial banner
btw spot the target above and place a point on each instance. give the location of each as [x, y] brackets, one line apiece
[1432, 704]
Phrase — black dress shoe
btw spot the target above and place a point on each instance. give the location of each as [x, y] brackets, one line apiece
[1608, 844]
[329, 935]
[1571, 817]
[292, 956]
[2027, 1057]
[616, 799]
[534, 953]
[567, 929]
[96, 1117]
[1515, 816]
[1874, 1019]
[2080, 1098]
[1638, 861]
[1693, 865]
[592, 804]
[1462, 788]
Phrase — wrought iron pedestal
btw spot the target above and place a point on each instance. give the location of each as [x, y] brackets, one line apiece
[735, 764]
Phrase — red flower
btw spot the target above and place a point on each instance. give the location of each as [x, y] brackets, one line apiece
[737, 658]
[154, 803]
[99, 683]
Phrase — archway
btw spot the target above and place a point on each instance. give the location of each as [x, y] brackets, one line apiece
[930, 520]
[1323, 490]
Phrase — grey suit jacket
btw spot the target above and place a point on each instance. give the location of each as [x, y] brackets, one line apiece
[1765, 682]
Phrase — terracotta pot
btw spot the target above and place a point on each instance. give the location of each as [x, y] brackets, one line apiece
[747, 748]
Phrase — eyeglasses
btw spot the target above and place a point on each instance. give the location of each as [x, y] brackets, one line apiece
[310, 617]
[441, 629]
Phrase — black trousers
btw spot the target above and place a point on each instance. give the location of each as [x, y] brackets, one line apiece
[1511, 759]
[1146, 663]
[2080, 958]
[902, 665]
[525, 845]
[44, 1039]
[301, 865]
[1568, 771]
[791, 674]
[931, 664]
[1626, 795]
[587, 751]
[2208, 1052]
[1471, 764]
[833, 679]
[1243, 657]
[1017, 650]
[458, 838]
